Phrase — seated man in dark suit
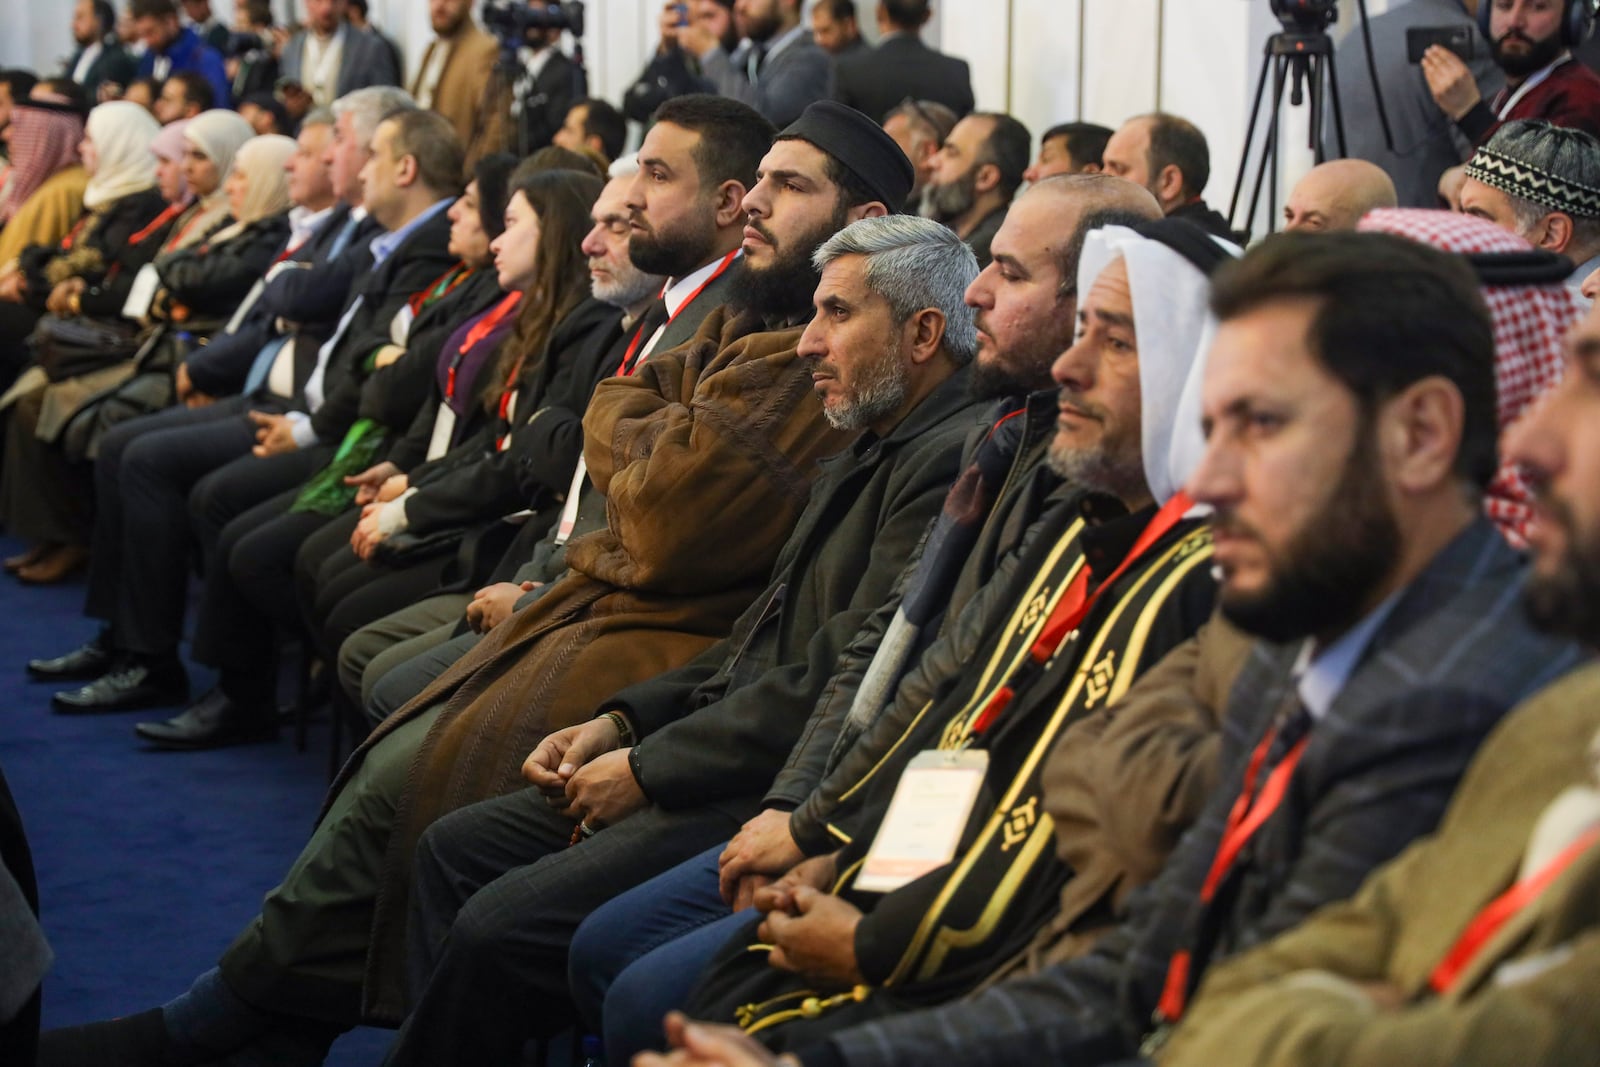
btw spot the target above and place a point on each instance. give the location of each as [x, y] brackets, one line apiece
[875, 80]
[1070, 148]
[974, 177]
[1168, 156]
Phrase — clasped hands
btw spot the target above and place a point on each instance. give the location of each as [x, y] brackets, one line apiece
[583, 772]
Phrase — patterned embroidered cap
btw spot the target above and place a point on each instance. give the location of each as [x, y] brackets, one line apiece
[1519, 179]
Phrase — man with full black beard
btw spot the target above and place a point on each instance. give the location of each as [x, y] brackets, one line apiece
[1531, 41]
[1350, 420]
[975, 175]
[1478, 946]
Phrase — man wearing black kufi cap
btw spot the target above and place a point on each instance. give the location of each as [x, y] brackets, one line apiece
[737, 398]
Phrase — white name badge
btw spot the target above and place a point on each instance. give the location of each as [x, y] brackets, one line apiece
[923, 826]
[142, 293]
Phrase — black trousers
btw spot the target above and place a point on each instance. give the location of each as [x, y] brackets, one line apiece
[496, 898]
[248, 596]
[143, 538]
[339, 593]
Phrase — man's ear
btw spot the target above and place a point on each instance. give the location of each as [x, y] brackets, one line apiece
[1557, 232]
[872, 209]
[923, 335]
[406, 172]
[1422, 431]
[987, 178]
[730, 197]
[1169, 185]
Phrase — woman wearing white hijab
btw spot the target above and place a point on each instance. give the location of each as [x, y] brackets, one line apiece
[120, 200]
[211, 140]
[207, 280]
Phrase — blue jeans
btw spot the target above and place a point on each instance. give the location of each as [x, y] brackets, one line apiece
[638, 956]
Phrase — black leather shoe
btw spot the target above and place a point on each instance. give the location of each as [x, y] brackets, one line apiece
[211, 722]
[132, 1041]
[85, 663]
[129, 684]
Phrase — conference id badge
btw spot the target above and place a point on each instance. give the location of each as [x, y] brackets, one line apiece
[926, 816]
[142, 293]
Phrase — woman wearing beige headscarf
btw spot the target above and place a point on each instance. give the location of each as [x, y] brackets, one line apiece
[45, 493]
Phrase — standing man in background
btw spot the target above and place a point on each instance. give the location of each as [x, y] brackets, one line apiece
[902, 66]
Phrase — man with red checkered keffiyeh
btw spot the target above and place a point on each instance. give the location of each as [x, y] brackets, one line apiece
[1532, 309]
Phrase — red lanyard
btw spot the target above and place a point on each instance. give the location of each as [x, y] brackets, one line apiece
[629, 365]
[170, 212]
[72, 235]
[181, 234]
[481, 329]
[1075, 605]
[1502, 909]
[1249, 813]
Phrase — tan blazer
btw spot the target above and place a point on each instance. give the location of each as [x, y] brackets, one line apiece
[1526, 999]
[459, 94]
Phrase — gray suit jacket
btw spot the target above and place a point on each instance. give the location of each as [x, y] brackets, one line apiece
[366, 61]
[1425, 141]
[799, 74]
[1453, 657]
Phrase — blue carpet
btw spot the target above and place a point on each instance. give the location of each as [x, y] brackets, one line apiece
[149, 862]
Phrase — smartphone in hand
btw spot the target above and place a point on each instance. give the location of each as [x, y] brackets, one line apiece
[1457, 39]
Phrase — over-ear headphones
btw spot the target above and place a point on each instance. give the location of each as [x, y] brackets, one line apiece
[1577, 20]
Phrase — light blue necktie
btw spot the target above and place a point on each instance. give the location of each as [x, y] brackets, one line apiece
[269, 352]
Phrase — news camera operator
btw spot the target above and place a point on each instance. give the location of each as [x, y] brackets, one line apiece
[535, 82]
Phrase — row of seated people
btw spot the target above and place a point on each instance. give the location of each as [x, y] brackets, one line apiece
[879, 595]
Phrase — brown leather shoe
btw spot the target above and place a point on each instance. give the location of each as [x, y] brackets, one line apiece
[59, 565]
[13, 564]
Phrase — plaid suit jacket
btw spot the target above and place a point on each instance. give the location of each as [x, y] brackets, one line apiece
[1454, 655]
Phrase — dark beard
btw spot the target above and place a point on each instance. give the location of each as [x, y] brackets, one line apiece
[1541, 55]
[944, 203]
[1568, 601]
[1333, 566]
[672, 254]
[783, 291]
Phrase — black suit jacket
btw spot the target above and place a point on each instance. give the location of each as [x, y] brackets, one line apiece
[422, 257]
[310, 299]
[113, 64]
[874, 82]
[558, 86]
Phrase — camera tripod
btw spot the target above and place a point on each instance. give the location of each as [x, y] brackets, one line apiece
[1301, 60]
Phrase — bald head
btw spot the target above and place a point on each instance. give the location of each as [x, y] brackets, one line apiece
[1085, 202]
[1333, 196]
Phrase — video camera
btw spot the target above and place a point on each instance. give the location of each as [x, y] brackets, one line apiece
[513, 20]
[1306, 16]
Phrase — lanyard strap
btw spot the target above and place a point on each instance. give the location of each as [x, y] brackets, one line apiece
[629, 362]
[1529, 86]
[1073, 607]
[1501, 910]
[170, 212]
[1249, 813]
[481, 329]
[440, 287]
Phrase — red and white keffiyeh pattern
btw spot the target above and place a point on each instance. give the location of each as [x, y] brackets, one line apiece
[1530, 324]
[42, 142]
